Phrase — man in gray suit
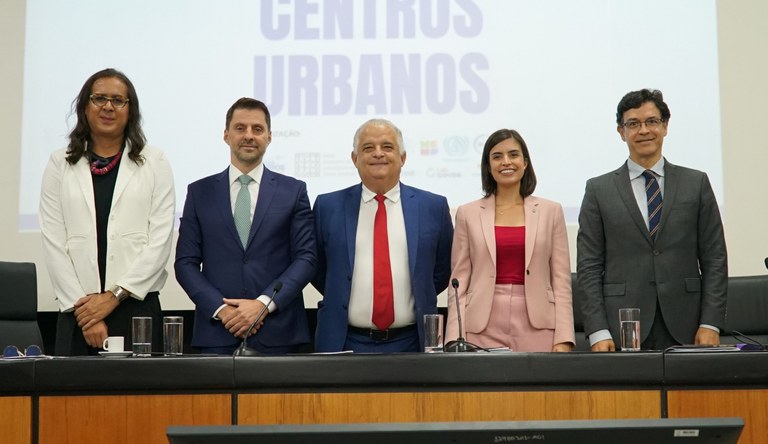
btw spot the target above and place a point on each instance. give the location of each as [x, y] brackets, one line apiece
[671, 264]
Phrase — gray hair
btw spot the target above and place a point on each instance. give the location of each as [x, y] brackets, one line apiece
[379, 122]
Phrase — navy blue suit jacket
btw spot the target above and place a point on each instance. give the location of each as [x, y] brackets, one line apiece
[212, 264]
[429, 233]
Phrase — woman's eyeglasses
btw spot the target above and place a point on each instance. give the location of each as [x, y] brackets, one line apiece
[101, 100]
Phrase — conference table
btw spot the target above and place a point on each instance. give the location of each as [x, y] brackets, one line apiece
[133, 400]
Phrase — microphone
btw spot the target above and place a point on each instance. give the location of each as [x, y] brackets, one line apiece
[244, 350]
[459, 345]
[750, 344]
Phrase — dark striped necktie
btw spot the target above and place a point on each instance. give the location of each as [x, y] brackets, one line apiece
[653, 193]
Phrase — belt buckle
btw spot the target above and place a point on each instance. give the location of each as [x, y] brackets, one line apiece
[379, 335]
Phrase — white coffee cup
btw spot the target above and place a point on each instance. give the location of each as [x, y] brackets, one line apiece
[114, 344]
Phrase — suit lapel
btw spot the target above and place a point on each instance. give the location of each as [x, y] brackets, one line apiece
[351, 213]
[670, 194]
[487, 225]
[124, 175]
[624, 187]
[411, 217]
[82, 171]
[222, 202]
[267, 190]
[530, 204]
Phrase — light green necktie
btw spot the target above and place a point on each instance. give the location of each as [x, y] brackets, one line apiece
[243, 209]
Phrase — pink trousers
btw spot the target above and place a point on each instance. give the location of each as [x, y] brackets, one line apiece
[509, 326]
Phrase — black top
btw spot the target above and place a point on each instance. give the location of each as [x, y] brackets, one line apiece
[103, 190]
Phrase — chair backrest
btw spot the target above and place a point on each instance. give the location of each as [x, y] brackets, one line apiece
[747, 310]
[18, 305]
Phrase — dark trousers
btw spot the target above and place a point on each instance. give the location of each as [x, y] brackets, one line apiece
[71, 342]
[659, 337]
[360, 343]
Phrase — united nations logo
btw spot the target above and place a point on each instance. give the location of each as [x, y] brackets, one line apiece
[455, 145]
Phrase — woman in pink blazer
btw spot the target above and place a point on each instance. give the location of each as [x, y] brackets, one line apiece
[510, 257]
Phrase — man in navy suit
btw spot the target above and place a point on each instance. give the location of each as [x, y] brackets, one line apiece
[230, 272]
[419, 236]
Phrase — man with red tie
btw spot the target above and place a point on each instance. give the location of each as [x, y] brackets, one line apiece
[383, 252]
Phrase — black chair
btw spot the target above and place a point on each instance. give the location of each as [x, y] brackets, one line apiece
[18, 305]
[747, 310]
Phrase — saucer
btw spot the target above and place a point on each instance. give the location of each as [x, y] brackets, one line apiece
[122, 354]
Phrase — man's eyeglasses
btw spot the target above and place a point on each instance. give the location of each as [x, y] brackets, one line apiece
[101, 100]
[651, 123]
[12, 351]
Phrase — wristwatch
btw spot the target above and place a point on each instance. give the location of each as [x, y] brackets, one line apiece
[120, 293]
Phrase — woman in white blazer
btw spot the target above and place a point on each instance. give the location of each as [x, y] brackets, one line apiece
[510, 258]
[106, 213]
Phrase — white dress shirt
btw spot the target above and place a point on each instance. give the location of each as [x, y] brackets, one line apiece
[361, 299]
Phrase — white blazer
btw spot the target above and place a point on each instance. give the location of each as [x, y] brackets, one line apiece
[139, 232]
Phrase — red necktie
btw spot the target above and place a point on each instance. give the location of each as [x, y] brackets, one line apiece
[383, 305]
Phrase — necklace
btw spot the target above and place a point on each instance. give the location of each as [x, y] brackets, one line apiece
[501, 210]
[99, 170]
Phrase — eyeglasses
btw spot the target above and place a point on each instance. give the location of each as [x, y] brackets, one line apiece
[11, 351]
[651, 123]
[101, 100]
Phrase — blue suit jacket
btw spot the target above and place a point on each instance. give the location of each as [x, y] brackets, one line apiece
[281, 247]
[429, 233]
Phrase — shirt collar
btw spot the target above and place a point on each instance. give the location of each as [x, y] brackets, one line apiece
[255, 173]
[393, 194]
[636, 170]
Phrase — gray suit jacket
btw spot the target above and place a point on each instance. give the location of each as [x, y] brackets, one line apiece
[619, 265]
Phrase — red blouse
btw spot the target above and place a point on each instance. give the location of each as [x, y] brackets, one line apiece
[510, 255]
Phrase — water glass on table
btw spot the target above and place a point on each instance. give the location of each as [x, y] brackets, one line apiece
[433, 333]
[173, 335]
[142, 336]
[629, 328]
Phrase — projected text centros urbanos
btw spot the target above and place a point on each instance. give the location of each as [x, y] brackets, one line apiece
[374, 80]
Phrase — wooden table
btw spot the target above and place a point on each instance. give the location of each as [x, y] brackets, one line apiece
[133, 400]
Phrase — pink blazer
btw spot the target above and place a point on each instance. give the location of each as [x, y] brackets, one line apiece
[547, 268]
